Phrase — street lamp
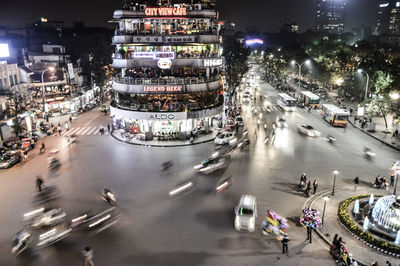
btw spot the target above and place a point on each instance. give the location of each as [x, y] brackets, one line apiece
[51, 69]
[395, 183]
[395, 96]
[326, 198]
[307, 62]
[366, 86]
[335, 173]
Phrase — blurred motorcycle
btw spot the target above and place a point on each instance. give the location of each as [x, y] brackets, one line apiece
[21, 242]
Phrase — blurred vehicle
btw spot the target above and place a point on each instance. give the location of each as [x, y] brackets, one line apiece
[210, 165]
[308, 130]
[246, 213]
[96, 223]
[239, 120]
[47, 194]
[246, 98]
[368, 153]
[9, 159]
[330, 139]
[108, 196]
[281, 121]
[21, 241]
[49, 218]
[54, 234]
[224, 138]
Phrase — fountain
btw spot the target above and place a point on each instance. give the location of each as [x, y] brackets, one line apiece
[385, 217]
[366, 223]
[356, 208]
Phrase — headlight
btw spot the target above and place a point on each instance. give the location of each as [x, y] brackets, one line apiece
[197, 166]
[311, 134]
[237, 223]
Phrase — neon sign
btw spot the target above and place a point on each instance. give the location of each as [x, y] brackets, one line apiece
[165, 11]
[254, 41]
[162, 88]
[154, 55]
[164, 63]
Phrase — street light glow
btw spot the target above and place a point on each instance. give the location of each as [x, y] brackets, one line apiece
[51, 68]
[308, 61]
[335, 172]
[359, 70]
[293, 62]
[395, 96]
[326, 198]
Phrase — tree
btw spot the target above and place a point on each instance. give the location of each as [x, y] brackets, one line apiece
[235, 63]
[19, 100]
[380, 104]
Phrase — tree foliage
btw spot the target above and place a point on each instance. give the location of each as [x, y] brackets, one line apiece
[236, 65]
[19, 100]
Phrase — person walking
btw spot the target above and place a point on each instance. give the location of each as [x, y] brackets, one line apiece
[66, 126]
[59, 129]
[356, 181]
[25, 154]
[391, 180]
[309, 234]
[308, 189]
[285, 241]
[39, 183]
[42, 147]
[108, 127]
[88, 256]
[70, 119]
[315, 185]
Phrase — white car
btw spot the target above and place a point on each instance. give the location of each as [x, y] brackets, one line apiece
[308, 130]
[224, 138]
[246, 213]
[239, 120]
[281, 121]
[246, 98]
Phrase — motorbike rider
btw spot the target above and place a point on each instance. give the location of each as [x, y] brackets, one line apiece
[303, 180]
[107, 194]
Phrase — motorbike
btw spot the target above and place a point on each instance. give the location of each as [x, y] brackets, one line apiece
[54, 163]
[166, 166]
[47, 194]
[368, 154]
[21, 242]
[381, 185]
[108, 196]
[49, 218]
[331, 139]
[210, 165]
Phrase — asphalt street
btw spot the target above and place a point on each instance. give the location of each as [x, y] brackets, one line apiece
[195, 227]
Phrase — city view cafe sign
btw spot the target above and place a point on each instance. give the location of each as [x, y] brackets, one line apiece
[165, 11]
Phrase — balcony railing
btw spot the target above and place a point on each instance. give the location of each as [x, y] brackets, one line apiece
[182, 33]
[179, 55]
[164, 81]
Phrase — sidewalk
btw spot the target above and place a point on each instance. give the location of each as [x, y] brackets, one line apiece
[359, 250]
[116, 134]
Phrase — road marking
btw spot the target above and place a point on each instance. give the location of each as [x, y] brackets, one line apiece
[86, 130]
[79, 131]
[93, 130]
[91, 120]
[72, 131]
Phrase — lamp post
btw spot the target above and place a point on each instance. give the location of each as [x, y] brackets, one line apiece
[307, 62]
[335, 173]
[366, 86]
[326, 198]
[51, 69]
[395, 183]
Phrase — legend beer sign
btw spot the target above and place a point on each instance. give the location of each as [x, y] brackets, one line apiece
[162, 88]
[165, 11]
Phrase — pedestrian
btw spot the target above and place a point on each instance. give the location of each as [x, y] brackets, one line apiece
[66, 126]
[59, 124]
[356, 181]
[315, 185]
[108, 127]
[309, 234]
[237, 127]
[388, 263]
[42, 147]
[88, 256]
[59, 129]
[285, 241]
[395, 133]
[26, 154]
[391, 180]
[335, 242]
[39, 182]
[70, 119]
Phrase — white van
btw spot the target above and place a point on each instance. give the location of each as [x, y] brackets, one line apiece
[246, 213]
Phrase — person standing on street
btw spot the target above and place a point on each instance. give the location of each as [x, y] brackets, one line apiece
[88, 256]
[391, 180]
[356, 181]
[309, 234]
[70, 119]
[26, 154]
[66, 126]
[59, 129]
[308, 189]
[285, 242]
[39, 182]
[108, 127]
[315, 185]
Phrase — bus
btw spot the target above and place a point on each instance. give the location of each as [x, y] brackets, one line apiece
[334, 115]
[309, 99]
[286, 102]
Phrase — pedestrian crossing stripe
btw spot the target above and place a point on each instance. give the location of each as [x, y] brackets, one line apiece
[82, 131]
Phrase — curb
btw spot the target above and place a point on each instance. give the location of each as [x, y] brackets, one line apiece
[384, 142]
[159, 145]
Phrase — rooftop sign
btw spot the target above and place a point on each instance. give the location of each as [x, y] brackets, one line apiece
[165, 11]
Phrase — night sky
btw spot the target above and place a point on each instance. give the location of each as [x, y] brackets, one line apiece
[264, 15]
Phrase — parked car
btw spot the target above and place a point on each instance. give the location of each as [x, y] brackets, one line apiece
[224, 138]
[9, 159]
[246, 213]
[308, 130]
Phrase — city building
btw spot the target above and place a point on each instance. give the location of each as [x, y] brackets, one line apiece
[388, 21]
[330, 16]
[9, 76]
[168, 56]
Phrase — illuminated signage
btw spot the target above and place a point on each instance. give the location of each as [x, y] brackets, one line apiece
[162, 117]
[254, 41]
[384, 5]
[162, 88]
[212, 62]
[154, 55]
[158, 39]
[4, 52]
[165, 11]
[164, 63]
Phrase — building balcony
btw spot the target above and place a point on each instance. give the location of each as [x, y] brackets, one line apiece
[174, 63]
[166, 85]
[133, 13]
[205, 38]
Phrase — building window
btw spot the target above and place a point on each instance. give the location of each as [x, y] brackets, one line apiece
[11, 80]
[5, 83]
[15, 79]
